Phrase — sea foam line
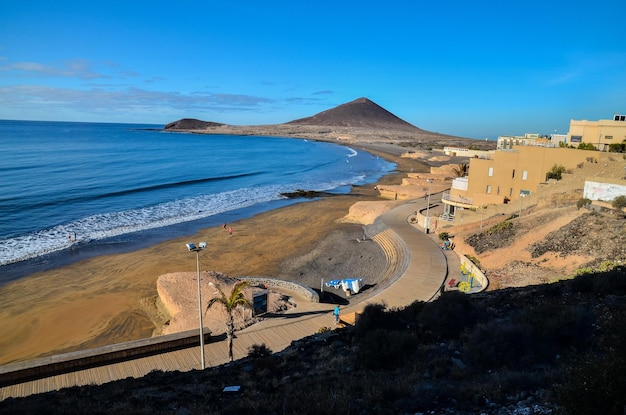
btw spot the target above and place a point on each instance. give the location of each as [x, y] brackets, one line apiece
[112, 224]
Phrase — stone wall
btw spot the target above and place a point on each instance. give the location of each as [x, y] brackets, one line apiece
[306, 292]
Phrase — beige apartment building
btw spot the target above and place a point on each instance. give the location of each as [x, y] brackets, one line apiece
[600, 133]
[507, 142]
[511, 174]
[521, 164]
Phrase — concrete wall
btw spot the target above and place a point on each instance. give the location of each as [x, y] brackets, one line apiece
[604, 191]
[466, 152]
[19, 372]
[303, 290]
[472, 269]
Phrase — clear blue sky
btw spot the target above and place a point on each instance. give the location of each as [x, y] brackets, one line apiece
[473, 69]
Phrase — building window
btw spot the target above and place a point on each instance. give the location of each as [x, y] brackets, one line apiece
[524, 175]
[490, 171]
[608, 137]
[488, 188]
[576, 138]
[498, 190]
[513, 176]
[510, 192]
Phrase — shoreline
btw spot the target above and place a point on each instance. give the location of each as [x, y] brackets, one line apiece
[97, 301]
[128, 242]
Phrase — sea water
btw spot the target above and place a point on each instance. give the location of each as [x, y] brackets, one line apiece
[73, 190]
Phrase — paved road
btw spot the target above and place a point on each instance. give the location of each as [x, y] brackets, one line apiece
[416, 258]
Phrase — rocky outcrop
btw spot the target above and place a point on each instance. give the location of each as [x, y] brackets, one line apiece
[186, 124]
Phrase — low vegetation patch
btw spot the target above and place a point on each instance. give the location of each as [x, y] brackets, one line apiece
[497, 236]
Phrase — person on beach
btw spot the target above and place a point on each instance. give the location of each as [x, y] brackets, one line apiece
[336, 314]
[230, 231]
[224, 225]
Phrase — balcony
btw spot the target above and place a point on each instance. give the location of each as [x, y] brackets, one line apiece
[456, 200]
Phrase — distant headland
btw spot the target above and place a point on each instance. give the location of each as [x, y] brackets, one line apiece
[359, 122]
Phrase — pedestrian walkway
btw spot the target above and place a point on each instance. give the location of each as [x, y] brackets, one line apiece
[417, 271]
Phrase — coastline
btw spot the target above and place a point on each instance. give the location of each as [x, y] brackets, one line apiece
[97, 301]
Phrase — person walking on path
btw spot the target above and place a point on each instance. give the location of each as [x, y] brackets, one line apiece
[336, 314]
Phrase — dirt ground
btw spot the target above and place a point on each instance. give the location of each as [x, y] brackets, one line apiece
[545, 245]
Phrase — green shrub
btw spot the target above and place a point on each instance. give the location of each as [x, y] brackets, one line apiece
[595, 383]
[617, 147]
[619, 202]
[555, 172]
[377, 317]
[444, 236]
[499, 228]
[446, 317]
[257, 351]
[496, 344]
[583, 202]
[586, 146]
[529, 338]
[384, 349]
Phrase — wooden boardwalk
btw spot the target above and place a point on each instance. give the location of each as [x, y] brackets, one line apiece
[417, 269]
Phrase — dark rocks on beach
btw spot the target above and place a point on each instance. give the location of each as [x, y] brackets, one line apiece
[309, 194]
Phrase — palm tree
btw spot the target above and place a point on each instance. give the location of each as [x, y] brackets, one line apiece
[461, 169]
[230, 303]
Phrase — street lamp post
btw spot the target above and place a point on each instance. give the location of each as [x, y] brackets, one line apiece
[482, 215]
[427, 222]
[521, 198]
[193, 248]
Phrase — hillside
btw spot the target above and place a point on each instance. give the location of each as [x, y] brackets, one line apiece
[546, 245]
[549, 349]
[552, 239]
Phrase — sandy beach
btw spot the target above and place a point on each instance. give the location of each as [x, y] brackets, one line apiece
[99, 301]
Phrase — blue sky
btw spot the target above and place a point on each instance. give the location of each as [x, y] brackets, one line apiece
[473, 69]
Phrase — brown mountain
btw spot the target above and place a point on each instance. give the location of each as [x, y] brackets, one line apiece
[191, 124]
[360, 121]
[360, 113]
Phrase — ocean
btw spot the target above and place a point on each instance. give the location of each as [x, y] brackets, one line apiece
[70, 191]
